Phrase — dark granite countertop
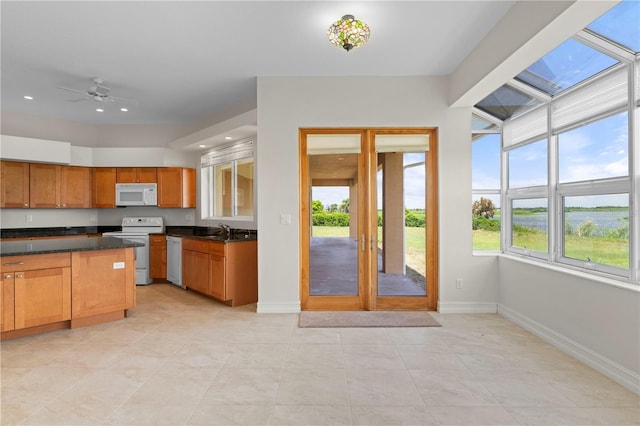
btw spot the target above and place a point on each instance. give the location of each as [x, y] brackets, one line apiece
[56, 231]
[212, 234]
[19, 248]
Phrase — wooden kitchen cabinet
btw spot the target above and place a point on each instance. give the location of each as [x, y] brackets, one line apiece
[75, 187]
[55, 186]
[103, 187]
[14, 184]
[158, 256]
[7, 298]
[103, 283]
[136, 175]
[41, 292]
[230, 269]
[176, 187]
[195, 265]
[44, 186]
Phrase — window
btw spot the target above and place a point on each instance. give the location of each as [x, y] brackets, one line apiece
[485, 203]
[528, 165]
[227, 183]
[596, 230]
[595, 151]
[529, 225]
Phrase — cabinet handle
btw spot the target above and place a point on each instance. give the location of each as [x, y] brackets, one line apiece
[19, 275]
[7, 277]
[14, 263]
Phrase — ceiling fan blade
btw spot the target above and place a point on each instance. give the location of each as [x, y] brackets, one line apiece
[72, 90]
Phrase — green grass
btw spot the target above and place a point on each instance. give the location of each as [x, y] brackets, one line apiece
[607, 251]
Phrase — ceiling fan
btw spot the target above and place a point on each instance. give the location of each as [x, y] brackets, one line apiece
[96, 91]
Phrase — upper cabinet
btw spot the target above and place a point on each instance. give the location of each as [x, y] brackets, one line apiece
[14, 184]
[176, 187]
[54, 186]
[136, 175]
[103, 187]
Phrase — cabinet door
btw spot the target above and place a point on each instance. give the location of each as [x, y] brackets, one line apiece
[188, 188]
[217, 277]
[126, 175]
[147, 175]
[170, 187]
[75, 189]
[195, 270]
[42, 297]
[158, 256]
[104, 187]
[14, 184]
[44, 186]
[7, 302]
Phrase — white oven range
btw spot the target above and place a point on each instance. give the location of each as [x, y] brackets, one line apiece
[137, 229]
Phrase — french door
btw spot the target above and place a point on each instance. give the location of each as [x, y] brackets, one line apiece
[368, 235]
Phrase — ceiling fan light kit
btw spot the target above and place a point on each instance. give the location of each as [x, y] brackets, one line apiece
[348, 33]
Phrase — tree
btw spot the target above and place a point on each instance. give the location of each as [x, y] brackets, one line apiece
[316, 206]
[483, 208]
[344, 206]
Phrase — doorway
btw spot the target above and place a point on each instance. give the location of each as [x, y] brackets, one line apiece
[368, 203]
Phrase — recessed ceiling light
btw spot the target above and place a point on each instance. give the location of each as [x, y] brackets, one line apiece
[124, 109]
[99, 110]
[202, 146]
[228, 138]
[29, 98]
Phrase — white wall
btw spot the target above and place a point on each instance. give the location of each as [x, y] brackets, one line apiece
[594, 320]
[287, 104]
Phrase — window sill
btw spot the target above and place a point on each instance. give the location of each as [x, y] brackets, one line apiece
[620, 283]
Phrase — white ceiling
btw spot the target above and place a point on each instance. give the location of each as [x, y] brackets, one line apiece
[183, 62]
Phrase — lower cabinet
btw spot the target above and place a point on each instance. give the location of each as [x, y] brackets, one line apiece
[227, 272]
[44, 292]
[36, 290]
[195, 265]
[158, 256]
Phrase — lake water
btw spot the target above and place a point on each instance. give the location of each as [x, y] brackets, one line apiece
[604, 220]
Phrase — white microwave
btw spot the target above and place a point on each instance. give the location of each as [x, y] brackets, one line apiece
[136, 194]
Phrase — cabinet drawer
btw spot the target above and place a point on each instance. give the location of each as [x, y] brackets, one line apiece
[157, 239]
[195, 245]
[216, 248]
[34, 261]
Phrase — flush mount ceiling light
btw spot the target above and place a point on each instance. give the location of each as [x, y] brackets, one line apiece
[348, 33]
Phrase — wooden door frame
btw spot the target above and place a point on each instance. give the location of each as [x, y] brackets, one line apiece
[367, 298]
[430, 301]
[342, 303]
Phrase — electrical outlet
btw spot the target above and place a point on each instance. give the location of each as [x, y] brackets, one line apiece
[459, 283]
[28, 218]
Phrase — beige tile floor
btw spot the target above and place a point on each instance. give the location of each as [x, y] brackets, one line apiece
[181, 359]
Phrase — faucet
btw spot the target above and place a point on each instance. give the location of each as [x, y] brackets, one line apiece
[225, 228]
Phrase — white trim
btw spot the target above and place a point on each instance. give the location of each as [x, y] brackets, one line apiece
[611, 369]
[467, 308]
[278, 307]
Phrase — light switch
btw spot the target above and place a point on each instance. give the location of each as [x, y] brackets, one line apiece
[118, 265]
[285, 219]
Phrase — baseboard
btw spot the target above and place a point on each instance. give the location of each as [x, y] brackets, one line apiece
[467, 308]
[611, 369]
[278, 308]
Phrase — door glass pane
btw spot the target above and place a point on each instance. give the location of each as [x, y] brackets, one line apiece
[333, 249]
[400, 201]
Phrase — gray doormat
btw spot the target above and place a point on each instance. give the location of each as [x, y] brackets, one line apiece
[320, 319]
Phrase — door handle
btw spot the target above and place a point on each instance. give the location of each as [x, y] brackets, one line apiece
[364, 242]
[372, 243]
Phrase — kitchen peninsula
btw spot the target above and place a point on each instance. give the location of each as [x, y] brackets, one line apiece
[61, 283]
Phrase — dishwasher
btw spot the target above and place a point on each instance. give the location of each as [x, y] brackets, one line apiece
[174, 260]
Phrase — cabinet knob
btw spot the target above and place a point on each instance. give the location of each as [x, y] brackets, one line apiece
[7, 277]
[26, 204]
[64, 205]
[19, 276]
